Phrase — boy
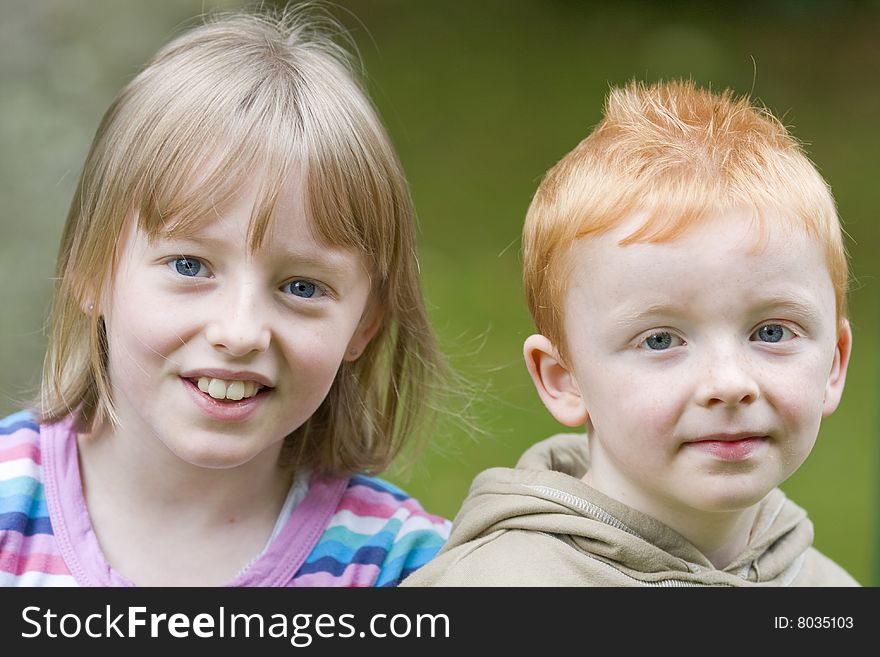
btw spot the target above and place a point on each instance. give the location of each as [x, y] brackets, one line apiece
[685, 267]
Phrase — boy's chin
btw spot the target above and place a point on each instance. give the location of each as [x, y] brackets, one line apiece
[730, 497]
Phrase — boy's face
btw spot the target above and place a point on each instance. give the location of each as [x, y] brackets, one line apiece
[702, 366]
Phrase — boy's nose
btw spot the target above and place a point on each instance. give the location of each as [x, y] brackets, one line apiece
[238, 324]
[727, 380]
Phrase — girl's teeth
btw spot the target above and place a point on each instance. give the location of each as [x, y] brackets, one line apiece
[235, 391]
[232, 390]
[217, 389]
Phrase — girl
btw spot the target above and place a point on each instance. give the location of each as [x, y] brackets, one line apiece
[238, 331]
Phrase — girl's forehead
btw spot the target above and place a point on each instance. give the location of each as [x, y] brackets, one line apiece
[289, 233]
[224, 200]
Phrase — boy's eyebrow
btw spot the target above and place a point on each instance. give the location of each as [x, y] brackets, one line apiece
[629, 315]
[794, 304]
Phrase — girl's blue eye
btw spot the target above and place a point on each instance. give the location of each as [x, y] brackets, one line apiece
[772, 333]
[188, 266]
[302, 288]
[661, 340]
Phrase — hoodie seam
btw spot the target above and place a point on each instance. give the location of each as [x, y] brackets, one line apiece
[660, 583]
[791, 573]
[604, 516]
[593, 509]
[772, 519]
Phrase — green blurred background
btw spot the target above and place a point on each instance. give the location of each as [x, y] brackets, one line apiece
[480, 99]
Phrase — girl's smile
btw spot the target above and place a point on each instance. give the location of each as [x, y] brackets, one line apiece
[225, 409]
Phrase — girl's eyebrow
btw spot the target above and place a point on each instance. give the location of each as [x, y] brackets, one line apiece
[330, 260]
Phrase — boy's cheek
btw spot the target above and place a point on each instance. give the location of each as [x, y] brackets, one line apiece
[634, 411]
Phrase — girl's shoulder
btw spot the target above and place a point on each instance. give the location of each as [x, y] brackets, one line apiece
[375, 499]
[377, 531]
[31, 555]
[21, 471]
[19, 420]
[19, 438]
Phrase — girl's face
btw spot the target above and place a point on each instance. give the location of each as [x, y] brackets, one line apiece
[219, 353]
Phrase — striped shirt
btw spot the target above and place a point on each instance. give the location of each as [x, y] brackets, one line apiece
[357, 531]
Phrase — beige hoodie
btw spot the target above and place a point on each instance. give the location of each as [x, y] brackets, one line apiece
[540, 525]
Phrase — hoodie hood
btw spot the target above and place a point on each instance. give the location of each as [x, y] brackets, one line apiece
[545, 494]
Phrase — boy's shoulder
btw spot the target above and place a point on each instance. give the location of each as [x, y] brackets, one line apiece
[522, 557]
[377, 524]
[820, 570]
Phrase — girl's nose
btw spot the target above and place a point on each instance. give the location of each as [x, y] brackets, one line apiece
[239, 323]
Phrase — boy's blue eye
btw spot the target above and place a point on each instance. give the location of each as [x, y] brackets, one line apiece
[188, 266]
[302, 288]
[772, 333]
[661, 340]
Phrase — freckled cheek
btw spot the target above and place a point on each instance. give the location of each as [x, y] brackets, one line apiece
[639, 411]
[653, 417]
[797, 392]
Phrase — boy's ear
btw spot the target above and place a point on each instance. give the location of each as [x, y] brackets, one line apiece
[837, 376]
[556, 386]
[369, 325]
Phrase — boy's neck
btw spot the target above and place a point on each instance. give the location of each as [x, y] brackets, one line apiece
[720, 536]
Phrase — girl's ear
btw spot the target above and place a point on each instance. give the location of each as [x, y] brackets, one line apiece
[556, 386]
[369, 325]
[87, 304]
[837, 376]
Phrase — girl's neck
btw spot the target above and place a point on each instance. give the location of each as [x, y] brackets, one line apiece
[162, 521]
[145, 470]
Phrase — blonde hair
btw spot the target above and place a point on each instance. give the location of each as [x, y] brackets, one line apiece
[237, 95]
[680, 154]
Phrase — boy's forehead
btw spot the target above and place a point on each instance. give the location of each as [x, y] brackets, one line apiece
[726, 251]
[757, 234]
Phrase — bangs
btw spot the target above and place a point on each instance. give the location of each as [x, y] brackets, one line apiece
[194, 164]
[276, 127]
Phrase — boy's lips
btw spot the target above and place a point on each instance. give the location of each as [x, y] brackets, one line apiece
[729, 437]
[730, 446]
